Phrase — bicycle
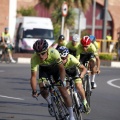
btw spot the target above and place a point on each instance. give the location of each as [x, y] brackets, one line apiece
[59, 108]
[87, 83]
[76, 99]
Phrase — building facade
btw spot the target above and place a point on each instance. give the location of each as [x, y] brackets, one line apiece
[8, 16]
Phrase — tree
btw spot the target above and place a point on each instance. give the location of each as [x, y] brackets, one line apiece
[82, 5]
[30, 11]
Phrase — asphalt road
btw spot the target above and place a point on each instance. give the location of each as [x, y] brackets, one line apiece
[16, 102]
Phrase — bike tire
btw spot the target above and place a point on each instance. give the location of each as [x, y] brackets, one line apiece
[76, 109]
[60, 110]
[88, 89]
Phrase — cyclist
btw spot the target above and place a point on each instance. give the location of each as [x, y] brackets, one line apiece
[73, 45]
[60, 42]
[50, 63]
[7, 44]
[72, 67]
[88, 52]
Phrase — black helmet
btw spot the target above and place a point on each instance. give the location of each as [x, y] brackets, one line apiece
[40, 45]
[61, 37]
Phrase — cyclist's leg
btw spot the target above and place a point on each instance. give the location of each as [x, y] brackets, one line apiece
[9, 50]
[43, 78]
[44, 92]
[92, 64]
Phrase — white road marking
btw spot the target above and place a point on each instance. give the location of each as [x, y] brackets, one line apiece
[11, 97]
[110, 83]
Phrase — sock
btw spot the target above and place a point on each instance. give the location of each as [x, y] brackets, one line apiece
[93, 78]
[48, 100]
[84, 101]
[70, 109]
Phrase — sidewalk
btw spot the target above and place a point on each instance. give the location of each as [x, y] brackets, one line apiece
[24, 58]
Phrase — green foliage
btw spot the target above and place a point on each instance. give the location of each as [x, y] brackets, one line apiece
[56, 31]
[106, 56]
[30, 11]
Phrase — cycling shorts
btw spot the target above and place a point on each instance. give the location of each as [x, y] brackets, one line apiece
[74, 72]
[46, 72]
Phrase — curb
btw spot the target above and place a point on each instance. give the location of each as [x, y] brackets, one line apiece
[103, 63]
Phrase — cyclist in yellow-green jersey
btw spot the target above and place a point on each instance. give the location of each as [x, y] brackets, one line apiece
[73, 45]
[74, 69]
[88, 52]
[59, 42]
[49, 62]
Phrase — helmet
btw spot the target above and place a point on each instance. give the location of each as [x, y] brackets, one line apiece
[85, 41]
[63, 51]
[61, 37]
[92, 38]
[76, 37]
[40, 45]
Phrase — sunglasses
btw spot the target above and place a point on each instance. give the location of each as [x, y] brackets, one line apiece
[42, 53]
[63, 58]
[85, 46]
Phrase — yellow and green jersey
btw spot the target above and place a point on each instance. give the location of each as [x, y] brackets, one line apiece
[63, 43]
[6, 36]
[91, 49]
[71, 63]
[95, 44]
[72, 49]
[52, 59]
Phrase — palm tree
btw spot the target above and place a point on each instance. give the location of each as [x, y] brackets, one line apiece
[82, 5]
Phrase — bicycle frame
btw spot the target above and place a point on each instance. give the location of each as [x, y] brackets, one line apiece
[59, 107]
[76, 99]
[87, 83]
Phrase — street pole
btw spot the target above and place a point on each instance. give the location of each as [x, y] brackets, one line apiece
[104, 25]
[79, 20]
[62, 26]
[93, 17]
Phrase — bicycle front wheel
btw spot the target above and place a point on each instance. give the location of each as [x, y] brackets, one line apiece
[60, 110]
[88, 89]
[76, 109]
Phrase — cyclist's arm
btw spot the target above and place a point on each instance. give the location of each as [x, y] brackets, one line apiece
[83, 70]
[98, 63]
[55, 44]
[34, 67]
[33, 81]
[62, 71]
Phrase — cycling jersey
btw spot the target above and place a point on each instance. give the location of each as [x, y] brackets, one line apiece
[52, 60]
[91, 49]
[63, 43]
[71, 67]
[95, 44]
[72, 49]
[6, 36]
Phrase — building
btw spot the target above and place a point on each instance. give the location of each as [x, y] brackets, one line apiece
[9, 8]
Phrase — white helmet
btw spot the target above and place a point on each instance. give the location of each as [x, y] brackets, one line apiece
[76, 38]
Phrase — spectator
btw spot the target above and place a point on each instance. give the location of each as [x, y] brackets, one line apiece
[7, 44]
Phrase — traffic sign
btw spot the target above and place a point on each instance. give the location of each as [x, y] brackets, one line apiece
[64, 9]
